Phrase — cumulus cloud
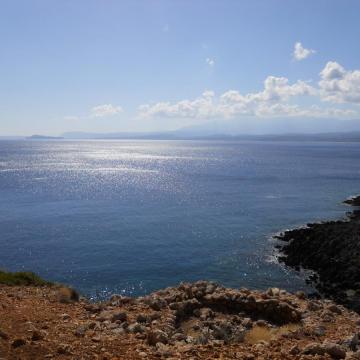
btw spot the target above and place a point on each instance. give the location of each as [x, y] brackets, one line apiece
[278, 97]
[105, 110]
[268, 102]
[201, 107]
[301, 53]
[210, 62]
[339, 85]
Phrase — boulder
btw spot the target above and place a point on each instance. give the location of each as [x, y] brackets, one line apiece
[336, 351]
[136, 328]
[119, 316]
[157, 336]
[313, 349]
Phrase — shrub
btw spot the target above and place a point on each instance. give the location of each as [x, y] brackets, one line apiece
[22, 278]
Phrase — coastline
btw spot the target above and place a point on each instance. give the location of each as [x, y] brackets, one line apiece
[331, 250]
[201, 320]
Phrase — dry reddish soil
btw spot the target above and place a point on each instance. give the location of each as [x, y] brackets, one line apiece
[191, 321]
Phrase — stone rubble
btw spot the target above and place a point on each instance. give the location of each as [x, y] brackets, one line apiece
[201, 320]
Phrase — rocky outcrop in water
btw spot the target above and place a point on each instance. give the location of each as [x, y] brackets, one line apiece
[332, 250]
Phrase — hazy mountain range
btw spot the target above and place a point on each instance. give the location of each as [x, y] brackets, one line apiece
[248, 129]
[260, 129]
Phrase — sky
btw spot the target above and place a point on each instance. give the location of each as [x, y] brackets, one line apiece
[115, 66]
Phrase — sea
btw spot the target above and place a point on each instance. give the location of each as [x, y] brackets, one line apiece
[133, 216]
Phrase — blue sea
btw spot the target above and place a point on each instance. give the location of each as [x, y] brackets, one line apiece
[131, 216]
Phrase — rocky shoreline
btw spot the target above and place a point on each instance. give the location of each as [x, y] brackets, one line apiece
[200, 320]
[332, 250]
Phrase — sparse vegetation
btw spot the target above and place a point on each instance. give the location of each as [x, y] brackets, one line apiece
[26, 278]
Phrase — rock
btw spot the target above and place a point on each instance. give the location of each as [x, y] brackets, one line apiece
[261, 323]
[335, 309]
[18, 342]
[314, 306]
[327, 316]
[178, 337]
[185, 307]
[92, 325]
[300, 295]
[156, 303]
[118, 300]
[247, 322]
[113, 326]
[210, 288]
[141, 318]
[157, 336]
[65, 316]
[319, 331]
[294, 350]
[313, 349]
[93, 308]
[354, 356]
[202, 339]
[155, 316]
[136, 328]
[119, 316]
[223, 331]
[38, 335]
[190, 340]
[96, 338]
[81, 330]
[104, 316]
[4, 335]
[334, 350]
[238, 335]
[273, 292]
[163, 350]
[119, 331]
[206, 313]
[353, 342]
[64, 349]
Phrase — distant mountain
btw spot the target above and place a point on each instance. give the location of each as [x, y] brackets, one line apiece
[267, 126]
[43, 137]
[249, 128]
[119, 135]
[353, 136]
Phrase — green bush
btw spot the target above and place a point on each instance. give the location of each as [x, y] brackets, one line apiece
[22, 278]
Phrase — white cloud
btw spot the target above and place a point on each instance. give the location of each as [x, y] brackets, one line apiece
[201, 107]
[277, 98]
[301, 53]
[210, 62]
[105, 110]
[339, 85]
[270, 101]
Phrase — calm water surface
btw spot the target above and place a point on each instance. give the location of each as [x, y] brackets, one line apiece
[134, 216]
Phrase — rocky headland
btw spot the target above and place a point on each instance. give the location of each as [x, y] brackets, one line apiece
[332, 250]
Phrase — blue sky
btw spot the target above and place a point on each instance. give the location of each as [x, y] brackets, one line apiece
[107, 65]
